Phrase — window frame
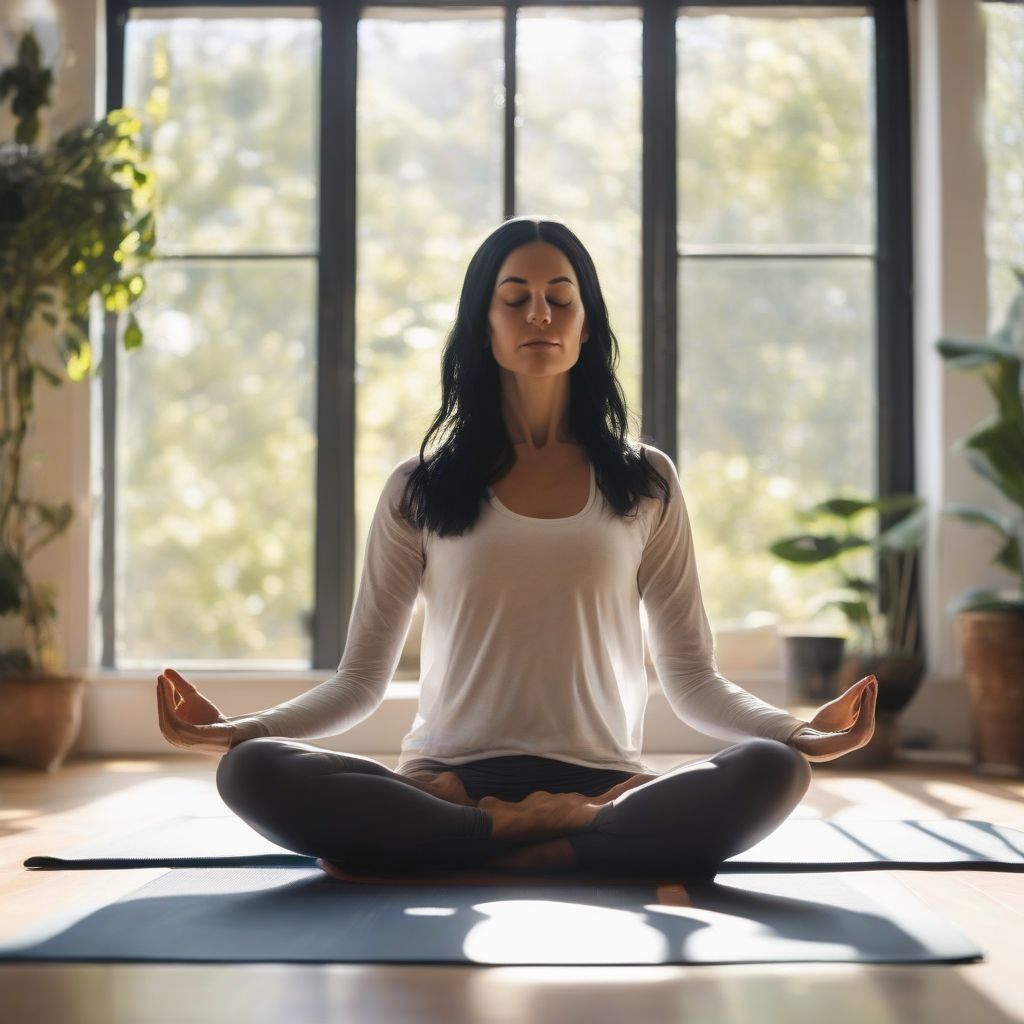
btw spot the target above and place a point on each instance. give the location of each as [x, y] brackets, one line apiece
[334, 564]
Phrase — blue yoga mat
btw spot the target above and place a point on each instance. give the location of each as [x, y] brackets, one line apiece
[798, 844]
[299, 914]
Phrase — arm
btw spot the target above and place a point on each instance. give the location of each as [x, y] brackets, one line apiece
[392, 568]
[680, 637]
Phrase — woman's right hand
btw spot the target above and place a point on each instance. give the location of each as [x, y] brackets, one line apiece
[188, 720]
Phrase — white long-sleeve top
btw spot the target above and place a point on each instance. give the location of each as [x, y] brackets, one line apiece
[532, 636]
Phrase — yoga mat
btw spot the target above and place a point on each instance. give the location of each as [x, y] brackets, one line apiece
[798, 844]
[299, 914]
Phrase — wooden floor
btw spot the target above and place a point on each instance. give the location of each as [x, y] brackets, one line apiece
[40, 813]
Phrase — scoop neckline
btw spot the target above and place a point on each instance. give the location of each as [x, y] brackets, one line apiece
[591, 498]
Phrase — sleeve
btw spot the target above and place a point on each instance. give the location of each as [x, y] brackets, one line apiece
[679, 634]
[393, 566]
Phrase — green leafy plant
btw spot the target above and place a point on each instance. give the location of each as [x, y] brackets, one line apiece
[995, 450]
[877, 631]
[75, 219]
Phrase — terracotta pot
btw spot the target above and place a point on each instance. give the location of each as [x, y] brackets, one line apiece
[40, 717]
[993, 649]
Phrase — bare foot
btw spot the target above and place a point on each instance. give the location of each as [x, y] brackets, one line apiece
[541, 815]
[449, 787]
[446, 785]
[622, 787]
[335, 870]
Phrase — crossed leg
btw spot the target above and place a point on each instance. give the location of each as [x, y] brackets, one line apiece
[690, 818]
[697, 815]
[356, 812]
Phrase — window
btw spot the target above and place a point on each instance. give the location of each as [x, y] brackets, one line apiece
[719, 161]
[1004, 143]
[215, 436]
[776, 367]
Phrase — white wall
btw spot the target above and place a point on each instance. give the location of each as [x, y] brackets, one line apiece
[950, 298]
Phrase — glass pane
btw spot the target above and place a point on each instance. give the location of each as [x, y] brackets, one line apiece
[236, 147]
[215, 469]
[429, 188]
[776, 121]
[215, 462]
[1004, 154]
[777, 411]
[578, 149]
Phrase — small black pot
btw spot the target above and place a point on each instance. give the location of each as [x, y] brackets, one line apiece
[812, 664]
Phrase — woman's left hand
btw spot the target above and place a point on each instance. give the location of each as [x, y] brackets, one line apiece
[841, 726]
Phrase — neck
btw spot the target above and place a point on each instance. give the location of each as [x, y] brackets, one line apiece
[536, 410]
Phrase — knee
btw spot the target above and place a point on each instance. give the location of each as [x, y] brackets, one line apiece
[242, 770]
[780, 765]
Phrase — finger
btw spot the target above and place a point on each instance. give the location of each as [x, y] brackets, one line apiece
[173, 699]
[166, 698]
[862, 685]
[869, 686]
[866, 722]
[179, 679]
[175, 730]
[161, 709]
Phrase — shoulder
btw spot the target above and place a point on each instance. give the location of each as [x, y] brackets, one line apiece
[397, 478]
[662, 463]
[670, 507]
[656, 456]
[402, 470]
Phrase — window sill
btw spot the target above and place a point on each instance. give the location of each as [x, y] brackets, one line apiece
[405, 681]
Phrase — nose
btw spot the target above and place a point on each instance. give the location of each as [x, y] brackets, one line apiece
[540, 312]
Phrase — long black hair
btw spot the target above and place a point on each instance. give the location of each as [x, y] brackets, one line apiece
[446, 491]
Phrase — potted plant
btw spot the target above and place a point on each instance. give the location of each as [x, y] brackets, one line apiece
[74, 220]
[883, 622]
[990, 622]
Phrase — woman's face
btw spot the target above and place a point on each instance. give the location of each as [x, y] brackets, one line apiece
[536, 296]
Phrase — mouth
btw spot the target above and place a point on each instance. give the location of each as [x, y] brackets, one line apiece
[537, 343]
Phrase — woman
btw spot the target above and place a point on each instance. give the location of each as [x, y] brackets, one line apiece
[535, 531]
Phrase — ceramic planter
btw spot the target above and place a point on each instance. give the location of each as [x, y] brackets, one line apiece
[40, 717]
[993, 650]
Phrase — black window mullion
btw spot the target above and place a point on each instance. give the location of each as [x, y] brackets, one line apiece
[894, 267]
[336, 337]
[894, 249]
[658, 227]
[116, 20]
[509, 199]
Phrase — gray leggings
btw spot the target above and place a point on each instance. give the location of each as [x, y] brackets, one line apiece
[366, 817]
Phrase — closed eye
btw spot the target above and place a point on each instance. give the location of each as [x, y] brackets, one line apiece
[551, 301]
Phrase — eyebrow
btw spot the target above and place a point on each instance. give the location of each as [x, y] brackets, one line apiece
[522, 280]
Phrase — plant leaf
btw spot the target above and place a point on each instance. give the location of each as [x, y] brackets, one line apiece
[907, 533]
[809, 549]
